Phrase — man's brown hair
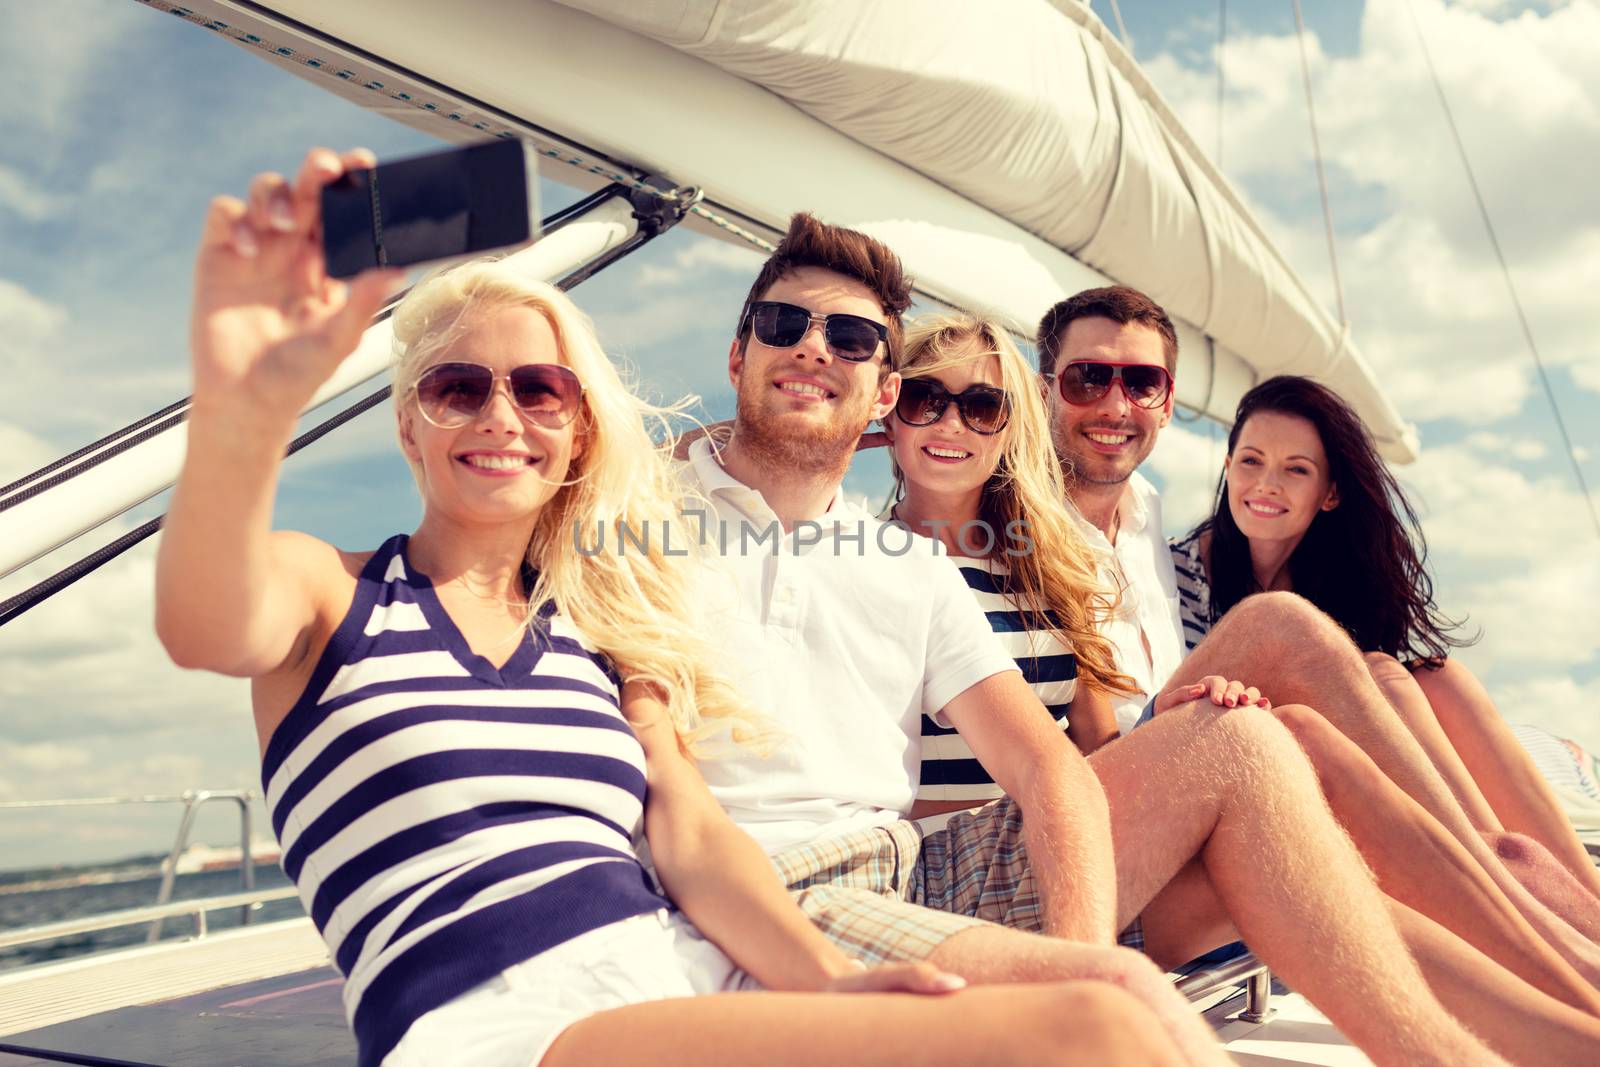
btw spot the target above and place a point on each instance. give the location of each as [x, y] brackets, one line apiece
[1118, 303]
[811, 242]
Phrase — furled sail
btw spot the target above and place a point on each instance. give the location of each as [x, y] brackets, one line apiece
[1033, 111]
[1011, 151]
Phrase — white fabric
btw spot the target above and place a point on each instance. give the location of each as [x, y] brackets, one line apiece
[844, 644]
[1140, 565]
[1031, 110]
[513, 1019]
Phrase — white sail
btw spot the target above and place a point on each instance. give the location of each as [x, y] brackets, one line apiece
[1010, 151]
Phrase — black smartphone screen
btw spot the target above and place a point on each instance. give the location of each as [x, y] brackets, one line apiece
[429, 207]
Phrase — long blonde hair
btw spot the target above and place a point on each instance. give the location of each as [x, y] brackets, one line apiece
[636, 607]
[1054, 575]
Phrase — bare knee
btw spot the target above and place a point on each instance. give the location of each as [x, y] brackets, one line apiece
[1385, 668]
[1306, 723]
[1258, 728]
[1260, 744]
[1100, 1023]
[1281, 626]
[1450, 688]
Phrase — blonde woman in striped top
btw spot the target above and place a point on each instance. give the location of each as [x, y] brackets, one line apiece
[458, 729]
[973, 466]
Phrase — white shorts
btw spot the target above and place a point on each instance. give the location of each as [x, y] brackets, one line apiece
[512, 1019]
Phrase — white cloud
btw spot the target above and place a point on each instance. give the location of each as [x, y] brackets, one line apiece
[95, 708]
[1493, 444]
[26, 199]
[46, 758]
[1428, 305]
[1187, 463]
[21, 452]
[1559, 703]
[691, 262]
[26, 323]
[1482, 511]
[53, 62]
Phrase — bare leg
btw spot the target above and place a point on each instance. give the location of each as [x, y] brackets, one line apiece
[987, 955]
[1510, 782]
[1186, 919]
[1411, 704]
[1550, 882]
[1234, 788]
[1043, 1025]
[1420, 865]
[1297, 655]
[1513, 1018]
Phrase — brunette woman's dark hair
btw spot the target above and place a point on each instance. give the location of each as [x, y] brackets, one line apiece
[1361, 562]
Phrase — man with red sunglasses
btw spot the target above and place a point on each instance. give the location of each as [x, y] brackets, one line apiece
[1107, 357]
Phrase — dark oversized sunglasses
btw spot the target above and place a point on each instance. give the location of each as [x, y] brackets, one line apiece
[1145, 385]
[780, 325]
[923, 402]
[450, 395]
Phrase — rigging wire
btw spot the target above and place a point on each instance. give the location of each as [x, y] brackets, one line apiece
[1222, 82]
[1316, 148]
[1122, 27]
[1505, 269]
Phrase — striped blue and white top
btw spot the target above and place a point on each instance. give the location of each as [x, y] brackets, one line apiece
[949, 769]
[1194, 590]
[442, 819]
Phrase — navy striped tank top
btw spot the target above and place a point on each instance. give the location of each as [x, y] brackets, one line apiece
[949, 769]
[1194, 589]
[445, 820]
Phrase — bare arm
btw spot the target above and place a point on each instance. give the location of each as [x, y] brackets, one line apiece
[725, 884]
[268, 327]
[1090, 721]
[1065, 818]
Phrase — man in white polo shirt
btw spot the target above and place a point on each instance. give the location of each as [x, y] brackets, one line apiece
[844, 643]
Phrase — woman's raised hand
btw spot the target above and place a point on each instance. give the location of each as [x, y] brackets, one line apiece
[269, 326]
[1219, 690]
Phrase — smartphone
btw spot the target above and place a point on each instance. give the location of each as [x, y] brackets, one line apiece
[436, 206]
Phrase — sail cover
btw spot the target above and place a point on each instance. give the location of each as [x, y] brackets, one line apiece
[1011, 151]
[1032, 110]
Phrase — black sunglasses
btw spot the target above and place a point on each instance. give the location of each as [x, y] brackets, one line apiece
[1144, 384]
[779, 325]
[450, 395]
[923, 401]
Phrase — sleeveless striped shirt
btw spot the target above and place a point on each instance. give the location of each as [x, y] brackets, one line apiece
[445, 820]
[949, 769]
[1194, 591]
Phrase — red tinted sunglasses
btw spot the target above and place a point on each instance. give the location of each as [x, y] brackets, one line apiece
[1144, 384]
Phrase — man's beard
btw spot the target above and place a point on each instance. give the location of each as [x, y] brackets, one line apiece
[796, 445]
[1081, 467]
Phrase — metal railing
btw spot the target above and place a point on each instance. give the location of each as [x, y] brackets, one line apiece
[247, 899]
[1247, 969]
[197, 907]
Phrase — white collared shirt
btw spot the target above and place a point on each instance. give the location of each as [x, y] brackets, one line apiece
[1140, 564]
[844, 636]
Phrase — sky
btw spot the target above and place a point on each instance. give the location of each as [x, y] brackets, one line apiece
[131, 120]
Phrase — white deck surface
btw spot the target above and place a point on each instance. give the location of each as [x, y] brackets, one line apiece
[42, 996]
[1297, 1033]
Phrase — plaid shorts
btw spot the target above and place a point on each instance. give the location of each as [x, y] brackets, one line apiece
[896, 893]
